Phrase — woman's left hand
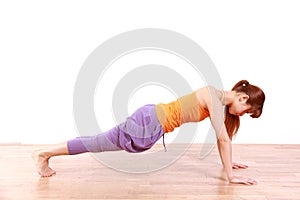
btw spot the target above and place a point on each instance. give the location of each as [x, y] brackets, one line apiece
[242, 180]
[238, 166]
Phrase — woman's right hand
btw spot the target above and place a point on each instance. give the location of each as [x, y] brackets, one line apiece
[242, 180]
[238, 166]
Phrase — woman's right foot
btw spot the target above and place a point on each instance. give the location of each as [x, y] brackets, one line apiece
[42, 164]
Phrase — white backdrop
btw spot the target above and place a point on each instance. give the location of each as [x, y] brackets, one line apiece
[43, 45]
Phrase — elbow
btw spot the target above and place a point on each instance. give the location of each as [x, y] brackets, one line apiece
[223, 137]
[223, 140]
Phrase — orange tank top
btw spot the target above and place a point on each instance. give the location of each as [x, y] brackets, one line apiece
[184, 109]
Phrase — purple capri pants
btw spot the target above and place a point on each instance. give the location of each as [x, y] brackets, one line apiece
[138, 133]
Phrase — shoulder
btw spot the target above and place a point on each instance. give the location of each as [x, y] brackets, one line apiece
[206, 94]
[206, 91]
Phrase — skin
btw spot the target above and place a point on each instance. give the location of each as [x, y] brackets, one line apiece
[41, 158]
[211, 99]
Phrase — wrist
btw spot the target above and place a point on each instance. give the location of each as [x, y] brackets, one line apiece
[227, 173]
[229, 177]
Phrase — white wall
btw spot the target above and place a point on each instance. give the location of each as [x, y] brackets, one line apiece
[44, 43]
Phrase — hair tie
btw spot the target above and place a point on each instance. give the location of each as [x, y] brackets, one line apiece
[245, 84]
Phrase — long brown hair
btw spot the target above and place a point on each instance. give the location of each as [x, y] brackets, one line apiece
[256, 100]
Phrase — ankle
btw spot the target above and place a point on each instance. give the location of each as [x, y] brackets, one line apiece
[43, 154]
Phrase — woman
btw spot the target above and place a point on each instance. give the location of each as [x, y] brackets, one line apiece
[149, 123]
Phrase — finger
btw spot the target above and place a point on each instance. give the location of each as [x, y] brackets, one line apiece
[243, 166]
[246, 182]
[238, 167]
[252, 181]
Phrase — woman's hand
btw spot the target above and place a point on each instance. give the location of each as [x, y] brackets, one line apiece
[242, 180]
[238, 166]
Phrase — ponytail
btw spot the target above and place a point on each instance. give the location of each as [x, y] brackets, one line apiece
[256, 100]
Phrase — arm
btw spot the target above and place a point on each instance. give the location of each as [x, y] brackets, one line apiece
[216, 113]
[215, 108]
[225, 152]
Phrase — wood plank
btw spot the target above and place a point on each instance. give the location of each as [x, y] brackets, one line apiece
[276, 167]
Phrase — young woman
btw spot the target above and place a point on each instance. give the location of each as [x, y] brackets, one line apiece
[149, 123]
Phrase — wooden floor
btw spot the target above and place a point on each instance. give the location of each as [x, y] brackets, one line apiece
[275, 167]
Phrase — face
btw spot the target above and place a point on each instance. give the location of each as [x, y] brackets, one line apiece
[239, 106]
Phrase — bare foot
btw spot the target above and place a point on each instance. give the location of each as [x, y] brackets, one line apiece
[41, 160]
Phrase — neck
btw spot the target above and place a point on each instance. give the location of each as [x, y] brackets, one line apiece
[229, 97]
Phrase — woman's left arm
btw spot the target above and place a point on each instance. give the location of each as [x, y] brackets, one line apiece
[215, 108]
[216, 115]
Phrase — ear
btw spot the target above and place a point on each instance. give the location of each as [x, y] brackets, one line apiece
[243, 98]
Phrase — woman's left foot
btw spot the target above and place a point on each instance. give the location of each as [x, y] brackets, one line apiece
[42, 164]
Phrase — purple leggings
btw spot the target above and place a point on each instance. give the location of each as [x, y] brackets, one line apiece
[138, 133]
